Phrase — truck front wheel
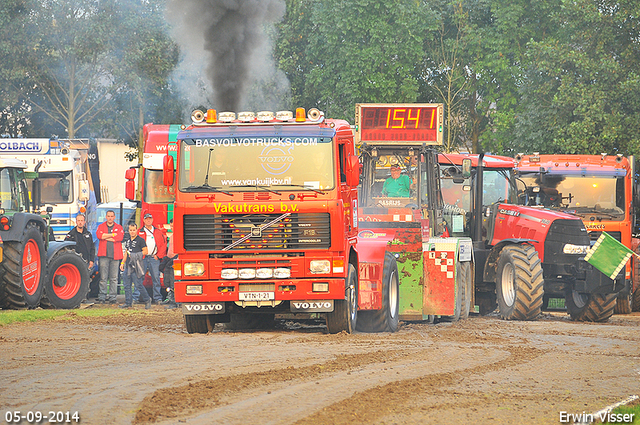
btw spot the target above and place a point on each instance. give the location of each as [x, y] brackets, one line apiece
[385, 319]
[23, 271]
[198, 323]
[345, 312]
[589, 307]
[519, 283]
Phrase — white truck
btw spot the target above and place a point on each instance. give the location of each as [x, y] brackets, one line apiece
[65, 186]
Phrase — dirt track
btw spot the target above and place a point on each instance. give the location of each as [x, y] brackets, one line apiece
[144, 368]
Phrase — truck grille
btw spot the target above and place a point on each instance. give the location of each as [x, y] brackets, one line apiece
[595, 235]
[296, 231]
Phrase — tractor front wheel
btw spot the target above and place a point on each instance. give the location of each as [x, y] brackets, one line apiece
[67, 281]
[589, 307]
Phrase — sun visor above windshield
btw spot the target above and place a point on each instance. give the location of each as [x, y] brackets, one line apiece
[257, 131]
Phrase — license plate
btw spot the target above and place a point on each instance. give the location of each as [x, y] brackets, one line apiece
[257, 296]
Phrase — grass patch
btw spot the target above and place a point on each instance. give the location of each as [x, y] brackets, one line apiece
[8, 317]
[632, 408]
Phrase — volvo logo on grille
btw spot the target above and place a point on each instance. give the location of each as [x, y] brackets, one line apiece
[256, 232]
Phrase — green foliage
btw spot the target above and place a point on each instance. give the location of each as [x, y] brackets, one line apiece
[354, 51]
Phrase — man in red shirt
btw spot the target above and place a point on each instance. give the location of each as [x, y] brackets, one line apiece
[157, 246]
[110, 235]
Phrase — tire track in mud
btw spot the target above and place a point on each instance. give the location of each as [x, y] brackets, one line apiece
[207, 395]
[365, 406]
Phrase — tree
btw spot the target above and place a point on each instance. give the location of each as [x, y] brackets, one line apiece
[585, 81]
[363, 51]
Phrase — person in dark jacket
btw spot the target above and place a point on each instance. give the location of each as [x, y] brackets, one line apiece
[135, 249]
[83, 239]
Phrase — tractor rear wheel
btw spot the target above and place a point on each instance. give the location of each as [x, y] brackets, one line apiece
[198, 323]
[466, 280]
[589, 307]
[345, 312]
[519, 283]
[385, 319]
[67, 281]
[23, 271]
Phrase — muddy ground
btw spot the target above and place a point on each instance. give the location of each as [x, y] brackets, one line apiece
[142, 367]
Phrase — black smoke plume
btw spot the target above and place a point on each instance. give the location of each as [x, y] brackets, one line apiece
[229, 35]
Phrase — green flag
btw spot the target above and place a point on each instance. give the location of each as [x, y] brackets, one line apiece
[608, 255]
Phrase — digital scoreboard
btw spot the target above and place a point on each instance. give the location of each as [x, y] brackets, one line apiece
[399, 123]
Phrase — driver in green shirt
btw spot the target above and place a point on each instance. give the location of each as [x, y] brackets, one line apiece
[398, 185]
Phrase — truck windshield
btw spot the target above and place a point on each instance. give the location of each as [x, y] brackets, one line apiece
[603, 195]
[154, 191]
[256, 163]
[57, 188]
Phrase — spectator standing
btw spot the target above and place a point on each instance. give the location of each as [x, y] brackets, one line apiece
[83, 239]
[166, 266]
[110, 235]
[157, 247]
[135, 249]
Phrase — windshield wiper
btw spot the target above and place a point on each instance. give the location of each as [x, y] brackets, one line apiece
[302, 186]
[207, 188]
[259, 187]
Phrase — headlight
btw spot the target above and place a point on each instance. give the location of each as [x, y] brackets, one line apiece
[319, 266]
[264, 273]
[575, 249]
[229, 274]
[193, 269]
[194, 289]
[282, 273]
[247, 273]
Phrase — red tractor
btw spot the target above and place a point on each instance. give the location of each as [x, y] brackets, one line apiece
[521, 252]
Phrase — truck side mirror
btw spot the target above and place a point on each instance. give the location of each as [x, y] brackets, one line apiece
[353, 171]
[466, 168]
[167, 171]
[65, 188]
[130, 190]
[130, 174]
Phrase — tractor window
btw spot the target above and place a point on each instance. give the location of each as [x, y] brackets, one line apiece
[495, 186]
[8, 190]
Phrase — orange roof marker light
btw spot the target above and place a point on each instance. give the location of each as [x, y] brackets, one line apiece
[211, 116]
[301, 115]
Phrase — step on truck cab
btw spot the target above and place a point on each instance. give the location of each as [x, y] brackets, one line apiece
[265, 219]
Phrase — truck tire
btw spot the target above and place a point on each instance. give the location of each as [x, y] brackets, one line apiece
[636, 300]
[623, 304]
[23, 271]
[466, 280]
[345, 312]
[589, 307]
[198, 323]
[386, 319]
[519, 283]
[241, 322]
[67, 281]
